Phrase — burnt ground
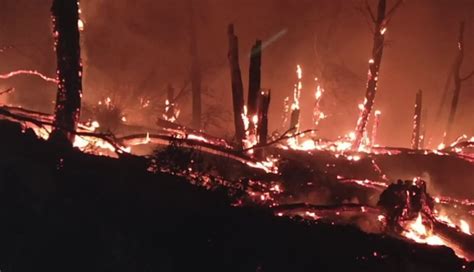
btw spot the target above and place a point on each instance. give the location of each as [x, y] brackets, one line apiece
[67, 211]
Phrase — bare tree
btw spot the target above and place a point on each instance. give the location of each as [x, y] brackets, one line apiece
[381, 22]
[457, 84]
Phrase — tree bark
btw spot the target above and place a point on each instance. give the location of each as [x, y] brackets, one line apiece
[374, 68]
[69, 67]
[415, 139]
[254, 78]
[196, 78]
[237, 87]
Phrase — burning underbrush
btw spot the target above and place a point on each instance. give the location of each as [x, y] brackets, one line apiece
[321, 184]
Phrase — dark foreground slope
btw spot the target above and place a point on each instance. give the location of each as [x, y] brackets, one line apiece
[75, 212]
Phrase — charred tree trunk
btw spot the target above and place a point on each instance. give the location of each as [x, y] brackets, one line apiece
[69, 68]
[254, 78]
[263, 105]
[237, 87]
[415, 139]
[195, 75]
[457, 84]
[374, 68]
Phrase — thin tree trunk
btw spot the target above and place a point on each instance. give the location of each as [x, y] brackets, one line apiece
[457, 85]
[69, 68]
[195, 75]
[415, 139]
[254, 78]
[374, 68]
[237, 87]
[264, 103]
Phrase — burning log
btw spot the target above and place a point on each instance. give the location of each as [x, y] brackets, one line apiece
[415, 140]
[254, 77]
[263, 105]
[195, 75]
[237, 87]
[67, 44]
[457, 84]
[374, 67]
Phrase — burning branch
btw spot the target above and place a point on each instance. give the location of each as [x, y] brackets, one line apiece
[68, 51]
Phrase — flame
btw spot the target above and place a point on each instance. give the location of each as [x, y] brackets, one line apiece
[464, 226]
[418, 233]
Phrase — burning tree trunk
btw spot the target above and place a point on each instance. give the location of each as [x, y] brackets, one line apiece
[457, 84]
[380, 22]
[415, 139]
[69, 67]
[195, 75]
[295, 106]
[254, 77]
[375, 127]
[237, 87]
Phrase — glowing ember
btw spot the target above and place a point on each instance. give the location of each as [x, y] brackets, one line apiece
[29, 72]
